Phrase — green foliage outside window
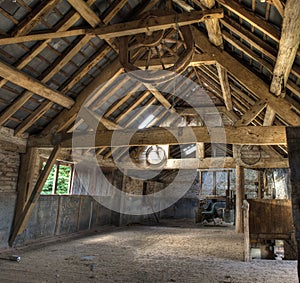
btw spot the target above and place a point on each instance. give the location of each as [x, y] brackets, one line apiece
[62, 180]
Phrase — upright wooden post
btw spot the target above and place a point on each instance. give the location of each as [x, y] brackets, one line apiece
[246, 231]
[293, 141]
[228, 191]
[21, 220]
[27, 171]
[240, 194]
[259, 184]
[214, 190]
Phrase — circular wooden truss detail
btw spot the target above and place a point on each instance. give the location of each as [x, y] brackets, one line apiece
[152, 48]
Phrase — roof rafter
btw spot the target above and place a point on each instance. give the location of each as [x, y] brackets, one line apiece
[248, 79]
[21, 79]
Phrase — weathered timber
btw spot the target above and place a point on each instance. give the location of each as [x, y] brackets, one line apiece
[225, 86]
[233, 135]
[123, 29]
[21, 222]
[240, 195]
[288, 46]
[248, 79]
[249, 116]
[19, 78]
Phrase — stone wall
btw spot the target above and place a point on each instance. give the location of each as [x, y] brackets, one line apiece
[9, 168]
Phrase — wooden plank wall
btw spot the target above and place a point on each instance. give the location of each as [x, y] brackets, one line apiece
[270, 217]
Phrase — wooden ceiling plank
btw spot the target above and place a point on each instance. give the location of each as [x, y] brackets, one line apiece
[237, 44]
[248, 79]
[34, 17]
[123, 29]
[85, 11]
[251, 18]
[21, 79]
[288, 46]
[225, 86]
[249, 116]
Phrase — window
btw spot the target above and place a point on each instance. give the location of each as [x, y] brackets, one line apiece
[59, 180]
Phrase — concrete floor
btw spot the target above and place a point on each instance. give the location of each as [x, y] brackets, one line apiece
[179, 252]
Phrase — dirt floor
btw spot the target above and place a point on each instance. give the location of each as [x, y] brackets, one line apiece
[179, 252]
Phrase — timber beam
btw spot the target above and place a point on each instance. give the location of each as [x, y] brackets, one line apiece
[21, 79]
[248, 79]
[257, 135]
[124, 29]
[288, 46]
[21, 220]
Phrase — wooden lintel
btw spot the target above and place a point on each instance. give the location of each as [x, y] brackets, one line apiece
[288, 46]
[21, 222]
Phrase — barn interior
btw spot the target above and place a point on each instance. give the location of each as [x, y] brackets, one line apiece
[149, 140]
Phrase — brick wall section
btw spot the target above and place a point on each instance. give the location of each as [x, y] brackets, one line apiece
[9, 168]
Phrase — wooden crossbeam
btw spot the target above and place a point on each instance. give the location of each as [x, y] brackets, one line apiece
[17, 104]
[21, 79]
[234, 135]
[248, 79]
[288, 46]
[156, 64]
[66, 118]
[85, 11]
[21, 222]
[123, 29]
